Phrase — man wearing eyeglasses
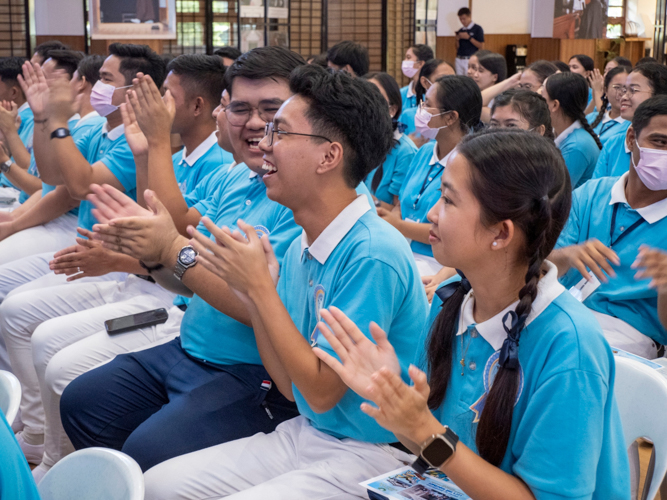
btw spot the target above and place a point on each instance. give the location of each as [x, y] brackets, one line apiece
[645, 81]
[208, 385]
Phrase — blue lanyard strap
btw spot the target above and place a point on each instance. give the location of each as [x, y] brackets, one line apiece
[623, 234]
[427, 180]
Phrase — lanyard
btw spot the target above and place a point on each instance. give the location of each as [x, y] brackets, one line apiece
[625, 233]
[611, 124]
[427, 180]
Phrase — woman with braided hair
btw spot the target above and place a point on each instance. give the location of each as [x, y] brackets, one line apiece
[567, 95]
[608, 121]
[516, 397]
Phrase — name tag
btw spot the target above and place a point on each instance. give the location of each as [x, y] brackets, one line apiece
[582, 290]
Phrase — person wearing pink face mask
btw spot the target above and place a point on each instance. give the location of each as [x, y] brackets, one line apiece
[451, 108]
[415, 57]
[599, 255]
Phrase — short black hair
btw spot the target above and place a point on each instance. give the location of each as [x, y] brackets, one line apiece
[264, 62]
[423, 52]
[391, 88]
[586, 62]
[139, 59]
[10, 69]
[89, 68]
[623, 61]
[543, 69]
[67, 60]
[494, 63]
[645, 60]
[318, 59]
[656, 74]
[530, 105]
[654, 106]
[464, 11]
[201, 75]
[44, 49]
[352, 53]
[563, 67]
[229, 52]
[461, 94]
[348, 110]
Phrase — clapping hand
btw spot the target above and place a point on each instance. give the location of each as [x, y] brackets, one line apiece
[154, 113]
[35, 88]
[652, 263]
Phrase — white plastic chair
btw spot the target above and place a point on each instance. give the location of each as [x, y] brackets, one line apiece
[641, 394]
[10, 395]
[93, 474]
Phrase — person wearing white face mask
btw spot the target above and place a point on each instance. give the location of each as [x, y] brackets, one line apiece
[451, 108]
[415, 57]
[612, 218]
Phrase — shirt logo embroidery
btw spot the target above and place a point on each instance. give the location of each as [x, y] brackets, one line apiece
[318, 296]
[261, 230]
[490, 371]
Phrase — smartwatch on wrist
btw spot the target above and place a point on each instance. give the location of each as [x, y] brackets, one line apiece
[5, 166]
[60, 133]
[187, 258]
[436, 450]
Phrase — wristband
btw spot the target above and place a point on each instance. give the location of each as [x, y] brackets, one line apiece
[150, 269]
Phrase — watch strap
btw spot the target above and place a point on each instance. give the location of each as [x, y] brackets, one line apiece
[449, 436]
[179, 270]
[60, 133]
[5, 166]
[420, 466]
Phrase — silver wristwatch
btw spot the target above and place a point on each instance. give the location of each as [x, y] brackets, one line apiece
[4, 167]
[187, 258]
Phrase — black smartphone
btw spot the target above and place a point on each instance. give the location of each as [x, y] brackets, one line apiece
[134, 321]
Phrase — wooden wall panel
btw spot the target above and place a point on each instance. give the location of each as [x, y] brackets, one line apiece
[74, 42]
[543, 48]
[568, 48]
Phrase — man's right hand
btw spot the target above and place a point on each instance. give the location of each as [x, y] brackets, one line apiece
[61, 101]
[135, 137]
[35, 88]
[593, 255]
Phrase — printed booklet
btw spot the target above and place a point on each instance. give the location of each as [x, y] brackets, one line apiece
[405, 483]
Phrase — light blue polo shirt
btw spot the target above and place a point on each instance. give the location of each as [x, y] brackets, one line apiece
[579, 151]
[423, 177]
[191, 169]
[614, 158]
[407, 118]
[408, 97]
[566, 396]
[16, 482]
[25, 132]
[394, 169]
[363, 266]
[622, 297]
[607, 128]
[206, 333]
[111, 148]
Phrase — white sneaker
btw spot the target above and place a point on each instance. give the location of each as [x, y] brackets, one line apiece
[33, 452]
[39, 472]
[17, 424]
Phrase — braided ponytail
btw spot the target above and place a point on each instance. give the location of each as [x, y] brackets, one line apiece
[518, 176]
[603, 110]
[587, 127]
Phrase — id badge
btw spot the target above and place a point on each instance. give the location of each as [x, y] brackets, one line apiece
[582, 290]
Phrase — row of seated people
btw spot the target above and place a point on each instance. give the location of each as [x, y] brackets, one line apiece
[261, 239]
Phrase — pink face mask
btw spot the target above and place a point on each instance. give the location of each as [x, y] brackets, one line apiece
[408, 68]
[651, 167]
[422, 119]
[101, 97]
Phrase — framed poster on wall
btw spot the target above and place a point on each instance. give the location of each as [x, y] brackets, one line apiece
[132, 19]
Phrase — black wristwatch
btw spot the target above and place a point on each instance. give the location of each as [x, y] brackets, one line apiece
[60, 133]
[436, 450]
[187, 257]
[5, 166]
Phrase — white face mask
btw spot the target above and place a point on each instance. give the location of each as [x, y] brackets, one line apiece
[101, 97]
[408, 68]
[651, 167]
[422, 119]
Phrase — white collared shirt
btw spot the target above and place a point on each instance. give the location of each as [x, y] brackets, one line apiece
[491, 330]
[398, 134]
[411, 89]
[435, 159]
[191, 159]
[115, 133]
[607, 118]
[651, 214]
[563, 135]
[333, 234]
[469, 27]
[90, 115]
[23, 107]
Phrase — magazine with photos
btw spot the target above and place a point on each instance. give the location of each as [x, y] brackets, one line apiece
[405, 483]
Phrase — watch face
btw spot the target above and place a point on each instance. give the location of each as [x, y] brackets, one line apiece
[187, 256]
[437, 452]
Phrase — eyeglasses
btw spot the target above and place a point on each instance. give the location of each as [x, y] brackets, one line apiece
[269, 131]
[622, 90]
[239, 114]
[527, 86]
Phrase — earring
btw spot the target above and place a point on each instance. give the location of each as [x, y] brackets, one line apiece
[495, 243]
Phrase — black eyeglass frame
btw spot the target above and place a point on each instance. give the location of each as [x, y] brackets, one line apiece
[269, 131]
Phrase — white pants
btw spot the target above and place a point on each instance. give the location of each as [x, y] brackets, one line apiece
[9, 192]
[296, 461]
[621, 335]
[56, 371]
[461, 66]
[427, 266]
[22, 312]
[50, 237]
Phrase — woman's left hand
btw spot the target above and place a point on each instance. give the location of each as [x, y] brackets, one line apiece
[652, 263]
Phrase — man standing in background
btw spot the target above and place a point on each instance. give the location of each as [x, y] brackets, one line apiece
[469, 40]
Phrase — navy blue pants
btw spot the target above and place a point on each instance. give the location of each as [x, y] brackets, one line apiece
[160, 403]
